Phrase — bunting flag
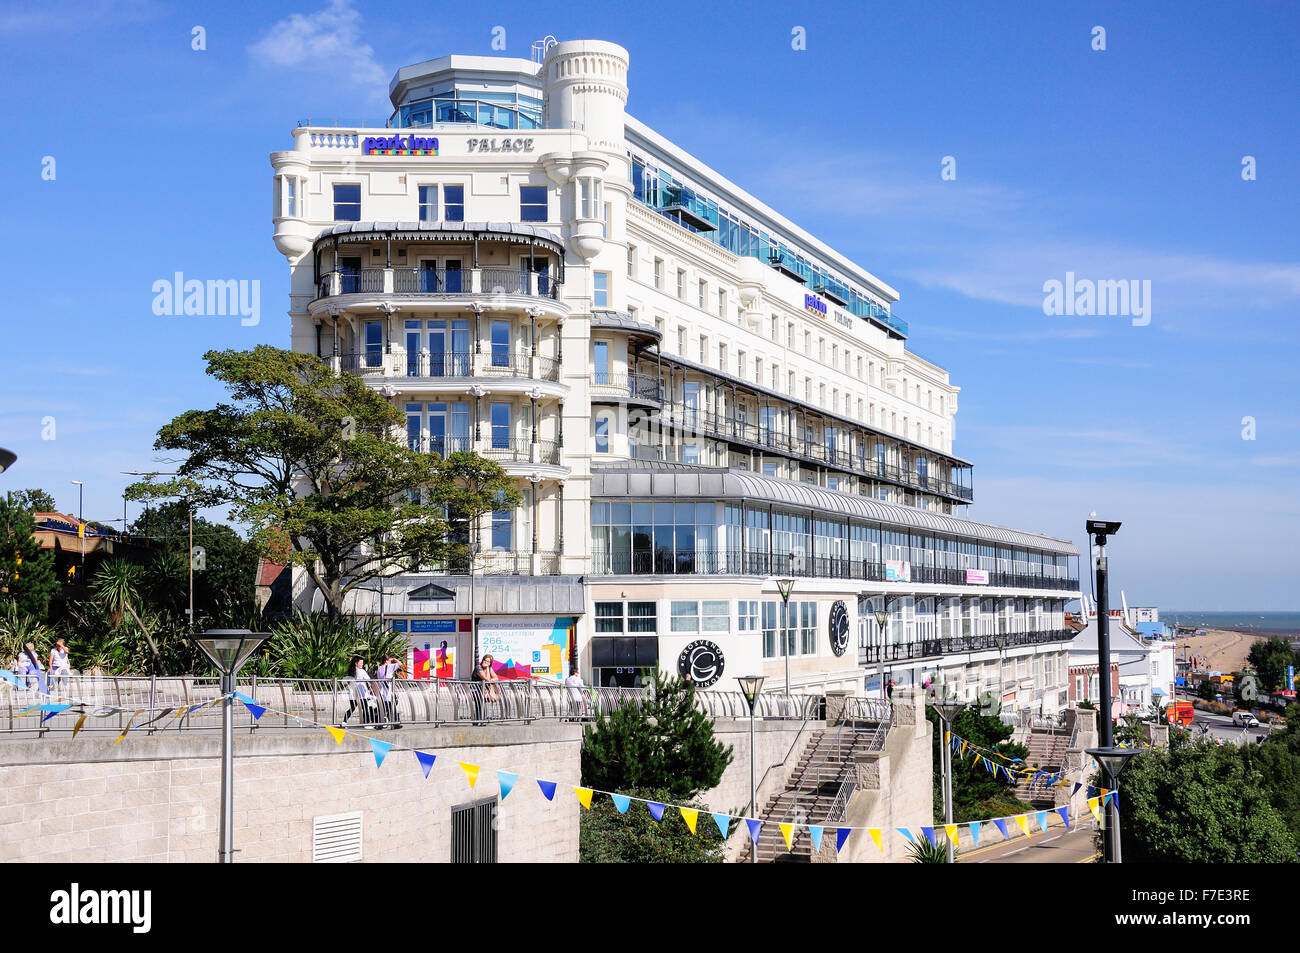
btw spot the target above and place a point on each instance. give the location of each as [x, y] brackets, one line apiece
[951, 831]
[1092, 806]
[975, 832]
[338, 733]
[1022, 822]
[471, 773]
[689, 815]
[548, 788]
[929, 835]
[841, 835]
[584, 797]
[1001, 824]
[906, 833]
[815, 832]
[786, 830]
[380, 750]
[724, 823]
[621, 802]
[80, 721]
[755, 827]
[963, 748]
[9, 677]
[875, 836]
[427, 760]
[245, 699]
[1065, 815]
[978, 760]
[947, 737]
[127, 728]
[1042, 820]
[506, 780]
[656, 810]
[257, 711]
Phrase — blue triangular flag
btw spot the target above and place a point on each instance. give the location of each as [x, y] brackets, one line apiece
[257, 710]
[975, 832]
[754, 828]
[1001, 824]
[815, 832]
[507, 782]
[380, 748]
[548, 788]
[841, 835]
[1065, 815]
[621, 801]
[245, 699]
[906, 833]
[1042, 820]
[426, 761]
[929, 835]
[724, 823]
[656, 810]
[9, 677]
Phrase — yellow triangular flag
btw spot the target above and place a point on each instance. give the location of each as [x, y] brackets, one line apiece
[963, 749]
[127, 728]
[1092, 806]
[338, 733]
[947, 737]
[689, 815]
[786, 830]
[951, 831]
[875, 836]
[1023, 823]
[584, 797]
[978, 760]
[80, 721]
[471, 772]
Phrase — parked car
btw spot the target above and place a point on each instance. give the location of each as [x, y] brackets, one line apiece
[1245, 719]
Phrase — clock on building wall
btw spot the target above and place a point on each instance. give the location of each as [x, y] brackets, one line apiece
[839, 629]
[702, 662]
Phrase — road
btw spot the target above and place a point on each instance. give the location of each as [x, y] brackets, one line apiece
[1053, 846]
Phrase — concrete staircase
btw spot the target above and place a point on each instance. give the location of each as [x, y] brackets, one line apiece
[1046, 753]
[826, 762]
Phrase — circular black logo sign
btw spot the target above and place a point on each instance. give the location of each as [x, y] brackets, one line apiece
[839, 629]
[701, 661]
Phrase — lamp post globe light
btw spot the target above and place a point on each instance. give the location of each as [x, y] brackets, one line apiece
[228, 650]
[946, 703]
[750, 686]
[7, 459]
[1113, 761]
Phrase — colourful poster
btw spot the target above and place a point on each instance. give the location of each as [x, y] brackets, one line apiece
[977, 577]
[527, 646]
[420, 663]
[898, 570]
[445, 661]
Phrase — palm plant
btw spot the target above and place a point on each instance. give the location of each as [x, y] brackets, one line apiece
[318, 646]
[17, 628]
[925, 852]
[116, 586]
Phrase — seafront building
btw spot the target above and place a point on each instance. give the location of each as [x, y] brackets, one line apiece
[698, 398]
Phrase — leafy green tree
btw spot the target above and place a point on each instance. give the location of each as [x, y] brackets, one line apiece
[1270, 659]
[637, 838]
[661, 748]
[1200, 803]
[663, 742]
[311, 460]
[976, 793]
[36, 500]
[27, 576]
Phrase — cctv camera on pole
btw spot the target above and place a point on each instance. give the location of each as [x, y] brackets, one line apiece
[1100, 530]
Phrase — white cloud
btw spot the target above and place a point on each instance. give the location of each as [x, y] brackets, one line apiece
[327, 40]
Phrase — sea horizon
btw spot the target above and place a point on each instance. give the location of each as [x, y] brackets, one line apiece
[1281, 622]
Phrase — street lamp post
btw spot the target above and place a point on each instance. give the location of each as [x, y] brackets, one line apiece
[882, 619]
[1112, 761]
[784, 586]
[81, 528]
[1100, 530]
[228, 650]
[946, 704]
[750, 686]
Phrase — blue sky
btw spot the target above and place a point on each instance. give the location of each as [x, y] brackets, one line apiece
[1117, 164]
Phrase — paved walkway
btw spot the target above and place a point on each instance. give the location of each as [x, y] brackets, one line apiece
[1054, 846]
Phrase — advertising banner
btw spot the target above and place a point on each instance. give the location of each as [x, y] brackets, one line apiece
[898, 570]
[527, 646]
[977, 577]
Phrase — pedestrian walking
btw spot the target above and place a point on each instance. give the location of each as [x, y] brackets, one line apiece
[577, 694]
[361, 696]
[36, 671]
[60, 666]
[387, 692]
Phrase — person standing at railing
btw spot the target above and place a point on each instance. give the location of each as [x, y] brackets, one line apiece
[361, 697]
[60, 667]
[35, 670]
[386, 672]
[577, 694]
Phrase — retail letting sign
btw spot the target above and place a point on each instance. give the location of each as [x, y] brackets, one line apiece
[399, 145]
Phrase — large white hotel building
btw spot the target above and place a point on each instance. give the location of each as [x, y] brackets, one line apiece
[698, 398]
